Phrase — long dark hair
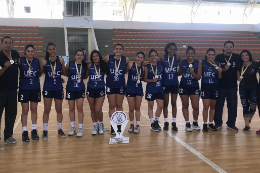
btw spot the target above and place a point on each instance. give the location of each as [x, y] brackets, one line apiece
[27, 46]
[84, 64]
[151, 51]
[47, 55]
[102, 63]
[190, 48]
[209, 49]
[167, 47]
[248, 53]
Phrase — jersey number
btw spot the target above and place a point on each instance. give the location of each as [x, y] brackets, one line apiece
[21, 97]
[202, 93]
[210, 81]
[188, 82]
[31, 82]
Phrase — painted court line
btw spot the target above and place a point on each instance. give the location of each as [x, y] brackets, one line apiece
[188, 147]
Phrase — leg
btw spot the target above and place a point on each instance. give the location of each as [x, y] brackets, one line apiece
[159, 107]
[150, 109]
[205, 109]
[212, 110]
[185, 106]
[219, 107]
[91, 102]
[174, 107]
[244, 97]
[131, 104]
[232, 106]
[98, 108]
[79, 103]
[58, 108]
[138, 101]
[72, 110]
[3, 98]
[195, 106]
[119, 102]
[33, 108]
[47, 109]
[252, 106]
[112, 104]
[25, 110]
[165, 105]
[10, 114]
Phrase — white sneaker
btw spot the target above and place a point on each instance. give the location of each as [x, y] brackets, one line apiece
[95, 131]
[80, 132]
[72, 131]
[188, 127]
[101, 128]
[137, 129]
[131, 128]
[195, 126]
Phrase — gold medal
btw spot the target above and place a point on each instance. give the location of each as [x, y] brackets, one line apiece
[10, 57]
[190, 63]
[243, 70]
[11, 61]
[214, 64]
[29, 65]
[154, 72]
[138, 81]
[138, 73]
[228, 63]
[117, 67]
[53, 69]
[97, 72]
[170, 65]
[78, 72]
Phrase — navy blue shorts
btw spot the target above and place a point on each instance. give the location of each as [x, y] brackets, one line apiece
[173, 89]
[154, 96]
[120, 91]
[209, 91]
[74, 95]
[29, 95]
[188, 90]
[133, 94]
[54, 94]
[96, 93]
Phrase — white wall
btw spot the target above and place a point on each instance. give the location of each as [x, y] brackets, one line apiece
[32, 22]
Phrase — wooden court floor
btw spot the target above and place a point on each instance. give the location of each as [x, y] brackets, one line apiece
[221, 151]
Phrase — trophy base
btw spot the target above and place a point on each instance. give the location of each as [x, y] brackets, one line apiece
[123, 140]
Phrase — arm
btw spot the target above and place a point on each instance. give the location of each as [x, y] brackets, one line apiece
[42, 64]
[106, 58]
[127, 60]
[220, 72]
[238, 76]
[199, 72]
[128, 66]
[63, 66]
[87, 73]
[161, 58]
[146, 75]
[67, 69]
[179, 73]
[6, 65]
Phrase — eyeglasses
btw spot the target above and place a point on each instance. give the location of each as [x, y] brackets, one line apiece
[229, 47]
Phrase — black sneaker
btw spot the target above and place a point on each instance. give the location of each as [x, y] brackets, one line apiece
[25, 136]
[45, 135]
[166, 126]
[247, 128]
[188, 127]
[34, 134]
[112, 131]
[212, 127]
[174, 127]
[61, 134]
[154, 127]
[205, 128]
[157, 125]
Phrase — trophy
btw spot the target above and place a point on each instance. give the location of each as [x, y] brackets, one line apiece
[119, 121]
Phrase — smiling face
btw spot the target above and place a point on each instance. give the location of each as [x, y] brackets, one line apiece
[228, 48]
[245, 57]
[210, 56]
[52, 50]
[171, 50]
[7, 44]
[153, 57]
[190, 55]
[79, 56]
[139, 58]
[96, 58]
[29, 52]
[118, 50]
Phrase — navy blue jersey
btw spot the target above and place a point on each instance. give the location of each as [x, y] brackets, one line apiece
[209, 73]
[132, 85]
[72, 84]
[29, 78]
[93, 78]
[170, 77]
[187, 78]
[53, 82]
[116, 81]
[154, 87]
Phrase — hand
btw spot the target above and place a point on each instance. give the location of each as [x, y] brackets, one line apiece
[155, 79]
[191, 69]
[7, 64]
[63, 81]
[61, 61]
[220, 70]
[226, 67]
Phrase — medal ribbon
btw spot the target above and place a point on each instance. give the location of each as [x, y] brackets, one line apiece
[78, 72]
[117, 66]
[138, 72]
[170, 65]
[243, 70]
[228, 59]
[53, 68]
[97, 72]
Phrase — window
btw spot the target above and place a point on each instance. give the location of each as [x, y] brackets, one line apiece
[117, 12]
[27, 9]
[78, 8]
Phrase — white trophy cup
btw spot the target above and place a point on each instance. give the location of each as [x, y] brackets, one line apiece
[119, 122]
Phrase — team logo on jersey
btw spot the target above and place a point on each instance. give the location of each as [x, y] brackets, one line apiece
[210, 69]
[122, 90]
[252, 71]
[87, 93]
[216, 94]
[102, 93]
[158, 84]
[116, 78]
[149, 96]
[197, 92]
[108, 90]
